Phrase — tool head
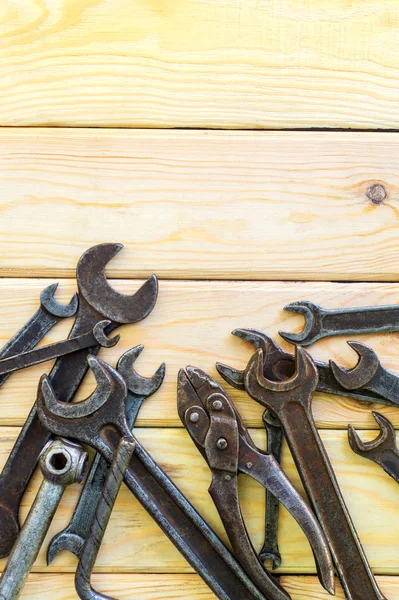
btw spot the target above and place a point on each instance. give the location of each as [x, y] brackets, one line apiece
[98, 293]
[270, 394]
[101, 337]
[48, 301]
[136, 383]
[386, 439]
[313, 323]
[362, 373]
[85, 420]
[277, 363]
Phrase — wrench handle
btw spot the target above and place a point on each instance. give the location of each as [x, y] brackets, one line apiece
[328, 504]
[374, 319]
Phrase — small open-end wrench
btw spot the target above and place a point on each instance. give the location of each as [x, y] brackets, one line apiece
[73, 537]
[97, 301]
[96, 336]
[279, 365]
[321, 322]
[290, 400]
[88, 556]
[100, 421]
[47, 315]
[383, 450]
[62, 463]
[368, 374]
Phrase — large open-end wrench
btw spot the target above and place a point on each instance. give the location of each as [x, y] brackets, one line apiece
[97, 301]
[73, 537]
[383, 450]
[290, 400]
[34, 330]
[100, 421]
[321, 322]
[279, 365]
[368, 374]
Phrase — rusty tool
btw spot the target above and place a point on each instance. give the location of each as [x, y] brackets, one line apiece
[100, 421]
[73, 537]
[100, 521]
[97, 301]
[290, 401]
[217, 430]
[383, 450]
[368, 374]
[62, 463]
[279, 365]
[49, 313]
[321, 322]
[96, 336]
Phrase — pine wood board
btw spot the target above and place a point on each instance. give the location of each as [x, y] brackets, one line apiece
[199, 204]
[191, 324]
[161, 587]
[263, 64]
[134, 543]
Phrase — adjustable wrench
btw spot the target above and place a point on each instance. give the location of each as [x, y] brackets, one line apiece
[291, 400]
[62, 463]
[321, 323]
[97, 301]
[279, 365]
[369, 374]
[100, 421]
[73, 537]
[383, 450]
[48, 314]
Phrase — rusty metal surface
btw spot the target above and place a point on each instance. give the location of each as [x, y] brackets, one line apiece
[383, 450]
[220, 435]
[321, 322]
[155, 491]
[97, 301]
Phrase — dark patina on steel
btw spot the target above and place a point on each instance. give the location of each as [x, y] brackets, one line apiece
[321, 322]
[279, 365]
[100, 422]
[97, 301]
[290, 401]
[73, 537]
[383, 450]
[218, 432]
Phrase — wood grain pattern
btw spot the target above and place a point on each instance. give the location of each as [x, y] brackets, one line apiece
[191, 324]
[133, 542]
[230, 64]
[200, 205]
[176, 587]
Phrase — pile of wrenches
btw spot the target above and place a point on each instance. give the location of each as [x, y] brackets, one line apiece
[57, 429]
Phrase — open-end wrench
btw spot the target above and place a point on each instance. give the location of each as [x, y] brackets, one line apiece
[62, 463]
[97, 301]
[34, 330]
[279, 365]
[73, 537]
[369, 374]
[291, 400]
[96, 336]
[104, 507]
[321, 322]
[383, 450]
[100, 421]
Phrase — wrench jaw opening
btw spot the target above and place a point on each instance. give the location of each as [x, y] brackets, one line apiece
[386, 439]
[313, 323]
[48, 301]
[136, 383]
[101, 337]
[99, 294]
[362, 373]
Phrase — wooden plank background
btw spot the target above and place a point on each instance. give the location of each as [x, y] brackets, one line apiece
[106, 108]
